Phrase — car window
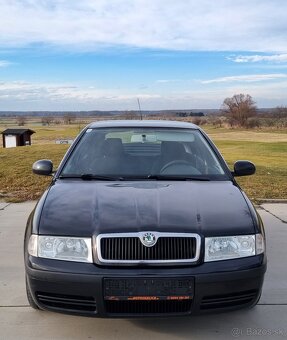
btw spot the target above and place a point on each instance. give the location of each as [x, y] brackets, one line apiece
[143, 152]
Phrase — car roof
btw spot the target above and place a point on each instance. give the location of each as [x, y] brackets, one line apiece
[143, 123]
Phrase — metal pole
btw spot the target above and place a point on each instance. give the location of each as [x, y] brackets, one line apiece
[140, 108]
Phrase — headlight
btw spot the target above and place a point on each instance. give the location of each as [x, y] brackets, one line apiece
[231, 247]
[61, 248]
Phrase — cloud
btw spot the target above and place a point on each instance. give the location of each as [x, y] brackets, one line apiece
[246, 78]
[154, 24]
[22, 95]
[164, 81]
[26, 91]
[277, 58]
[5, 63]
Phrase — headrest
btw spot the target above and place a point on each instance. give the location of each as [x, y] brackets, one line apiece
[172, 150]
[113, 147]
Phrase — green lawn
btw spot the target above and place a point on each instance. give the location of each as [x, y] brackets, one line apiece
[270, 180]
[267, 149]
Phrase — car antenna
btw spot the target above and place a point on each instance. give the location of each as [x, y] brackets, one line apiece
[140, 108]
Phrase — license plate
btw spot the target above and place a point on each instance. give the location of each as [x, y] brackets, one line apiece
[147, 289]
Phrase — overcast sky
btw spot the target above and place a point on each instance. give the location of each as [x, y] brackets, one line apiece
[104, 54]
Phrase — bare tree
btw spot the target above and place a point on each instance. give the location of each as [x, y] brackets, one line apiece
[197, 121]
[239, 108]
[47, 120]
[281, 112]
[21, 120]
[57, 121]
[69, 118]
[216, 121]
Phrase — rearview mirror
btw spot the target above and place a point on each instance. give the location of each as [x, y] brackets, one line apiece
[243, 168]
[43, 167]
[143, 138]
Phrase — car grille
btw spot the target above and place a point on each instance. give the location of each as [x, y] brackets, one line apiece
[228, 300]
[129, 248]
[148, 307]
[69, 303]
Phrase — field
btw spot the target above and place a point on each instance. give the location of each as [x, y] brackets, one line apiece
[266, 148]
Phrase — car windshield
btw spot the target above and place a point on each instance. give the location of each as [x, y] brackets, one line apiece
[147, 153]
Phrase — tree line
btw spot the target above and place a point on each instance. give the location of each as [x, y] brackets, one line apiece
[239, 110]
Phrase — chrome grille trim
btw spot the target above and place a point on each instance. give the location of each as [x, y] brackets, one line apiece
[139, 235]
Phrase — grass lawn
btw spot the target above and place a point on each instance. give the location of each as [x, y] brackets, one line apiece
[16, 177]
[267, 149]
[270, 180]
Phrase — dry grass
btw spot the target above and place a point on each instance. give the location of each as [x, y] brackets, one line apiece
[17, 183]
[223, 134]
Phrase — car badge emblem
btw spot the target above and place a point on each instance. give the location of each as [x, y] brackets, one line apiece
[148, 239]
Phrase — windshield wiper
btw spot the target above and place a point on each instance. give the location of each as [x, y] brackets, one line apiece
[89, 177]
[177, 178]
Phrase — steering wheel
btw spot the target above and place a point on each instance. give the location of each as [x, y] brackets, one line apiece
[181, 163]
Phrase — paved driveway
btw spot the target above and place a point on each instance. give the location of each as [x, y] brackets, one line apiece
[19, 321]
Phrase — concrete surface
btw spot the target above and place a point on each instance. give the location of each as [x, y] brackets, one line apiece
[18, 321]
[3, 205]
[277, 210]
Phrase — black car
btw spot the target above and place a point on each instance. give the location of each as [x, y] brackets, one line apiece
[143, 218]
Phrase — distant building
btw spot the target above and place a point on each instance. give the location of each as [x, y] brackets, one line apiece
[16, 137]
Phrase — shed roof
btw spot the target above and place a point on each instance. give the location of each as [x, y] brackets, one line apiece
[17, 131]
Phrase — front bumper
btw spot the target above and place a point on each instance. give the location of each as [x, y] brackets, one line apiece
[77, 288]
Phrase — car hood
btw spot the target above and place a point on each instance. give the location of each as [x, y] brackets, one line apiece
[85, 208]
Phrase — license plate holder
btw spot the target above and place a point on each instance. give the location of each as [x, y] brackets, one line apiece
[148, 289]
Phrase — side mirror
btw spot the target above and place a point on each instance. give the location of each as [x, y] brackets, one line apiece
[243, 168]
[43, 167]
